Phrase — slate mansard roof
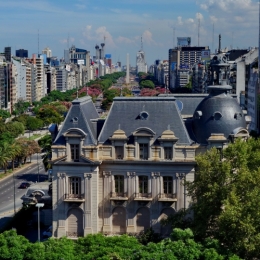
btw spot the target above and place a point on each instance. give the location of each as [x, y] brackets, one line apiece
[79, 116]
[160, 114]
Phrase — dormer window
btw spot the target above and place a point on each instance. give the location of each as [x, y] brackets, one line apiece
[74, 151]
[143, 151]
[144, 115]
[119, 152]
[217, 115]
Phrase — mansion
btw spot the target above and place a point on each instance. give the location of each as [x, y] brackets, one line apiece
[125, 173]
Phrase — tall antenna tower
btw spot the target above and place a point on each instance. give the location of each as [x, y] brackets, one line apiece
[68, 41]
[38, 43]
[213, 37]
[173, 37]
[198, 30]
[232, 40]
[141, 43]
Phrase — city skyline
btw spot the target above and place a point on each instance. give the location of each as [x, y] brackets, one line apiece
[85, 24]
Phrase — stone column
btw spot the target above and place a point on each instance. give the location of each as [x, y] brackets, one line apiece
[106, 199]
[87, 204]
[61, 205]
[131, 209]
[180, 191]
[155, 178]
[68, 150]
[113, 188]
[137, 154]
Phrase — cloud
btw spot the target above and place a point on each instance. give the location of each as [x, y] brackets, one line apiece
[148, 37]
[122, 39]
[99, 35]
[227, 5]
[65, 41]
[179, 20]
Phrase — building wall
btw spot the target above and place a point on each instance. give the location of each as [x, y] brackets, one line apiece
[100, 203]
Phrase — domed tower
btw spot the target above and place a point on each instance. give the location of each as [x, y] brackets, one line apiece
[218, 114]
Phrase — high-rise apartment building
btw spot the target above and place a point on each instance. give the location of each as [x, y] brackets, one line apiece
[8, 54]
[47, 51]
[141, 65]
[21, 53]
[181, 61]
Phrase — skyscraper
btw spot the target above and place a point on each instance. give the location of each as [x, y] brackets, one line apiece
[21, 53]
[8, 54]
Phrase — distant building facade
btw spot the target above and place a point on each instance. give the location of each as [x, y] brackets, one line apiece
[21, 53]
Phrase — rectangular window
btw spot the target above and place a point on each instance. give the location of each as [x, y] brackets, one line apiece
[74, 150]
[167, 185]
[74, 185]
[143, 184]
[168, 153]
[119, 184]
[119, 152]
[143, 151]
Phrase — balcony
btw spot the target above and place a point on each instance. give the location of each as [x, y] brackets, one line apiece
[167, 197]
[74, 234]
[118, 196]
[74, 197]
[143, 196]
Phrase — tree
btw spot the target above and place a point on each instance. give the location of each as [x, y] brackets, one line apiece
[21, 106]
[4, 155]
[4, 114]
[33, 123]
[15, 150]
[45, 143]
[12, 246]
[226, 197]
[146, 84]
[49, 115]
[28, 148]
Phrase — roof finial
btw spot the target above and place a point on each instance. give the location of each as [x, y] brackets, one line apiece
[169, 127]
[119, 127]
[77, 93]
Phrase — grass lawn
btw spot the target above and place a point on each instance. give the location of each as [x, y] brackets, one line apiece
[34, 136]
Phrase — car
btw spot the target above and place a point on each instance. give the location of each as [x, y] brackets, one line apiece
[48, 232]
[24, 185]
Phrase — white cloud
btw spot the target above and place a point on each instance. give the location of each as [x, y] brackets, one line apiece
[65, 41]
[179, 20]
[99, 35]
[148, 37]
[122, 39]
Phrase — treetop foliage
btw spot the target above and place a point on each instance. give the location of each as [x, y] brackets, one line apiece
[226, 197]
[181, 246]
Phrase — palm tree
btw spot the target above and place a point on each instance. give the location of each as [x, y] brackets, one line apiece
[15, 151]
[4, 155]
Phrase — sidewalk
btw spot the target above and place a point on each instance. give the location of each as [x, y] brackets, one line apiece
[29, 134]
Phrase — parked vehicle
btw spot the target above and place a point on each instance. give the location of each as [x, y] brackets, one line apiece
[48, 232]
[24, 185]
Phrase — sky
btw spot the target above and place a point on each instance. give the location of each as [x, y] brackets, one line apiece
[124, 24]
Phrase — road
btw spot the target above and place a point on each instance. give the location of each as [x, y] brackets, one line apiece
[9, 187]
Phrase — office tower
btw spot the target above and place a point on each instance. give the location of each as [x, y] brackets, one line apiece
[8, 54]
[21, 53]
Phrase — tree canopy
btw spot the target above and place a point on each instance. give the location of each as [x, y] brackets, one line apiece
[181, 245]
[226, 197]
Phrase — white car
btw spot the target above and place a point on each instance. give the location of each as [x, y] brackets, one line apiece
[48, 232]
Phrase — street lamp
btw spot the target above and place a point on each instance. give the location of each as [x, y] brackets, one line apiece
[14, 193]
[38, 169]
[39, 205]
